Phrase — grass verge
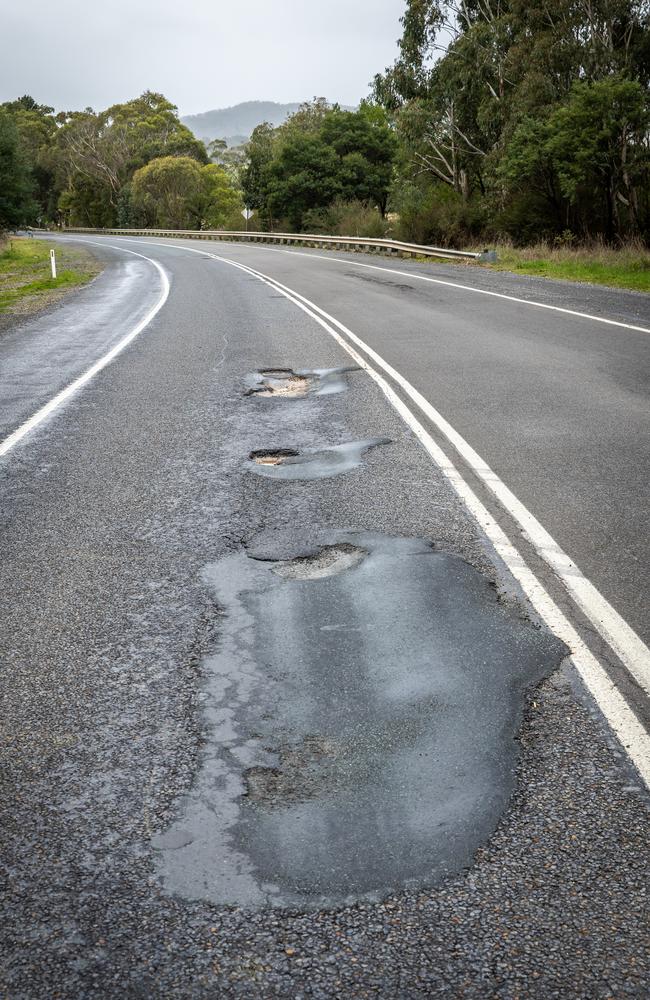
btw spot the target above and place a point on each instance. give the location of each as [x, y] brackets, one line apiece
[627, 267]
[26, 283]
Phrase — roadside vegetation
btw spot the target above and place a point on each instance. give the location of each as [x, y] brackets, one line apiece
[26, 283]
[521, 123]
[623, 267]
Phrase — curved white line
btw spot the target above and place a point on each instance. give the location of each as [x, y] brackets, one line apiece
[417, 277]
[618, 633]
[627, 645]
[465, 288]
[9, 442]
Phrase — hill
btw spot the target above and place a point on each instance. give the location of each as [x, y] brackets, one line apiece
[235, 124]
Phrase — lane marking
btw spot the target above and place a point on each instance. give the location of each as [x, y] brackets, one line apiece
[456, 284]
[408, 274]
[9, 442]
[622, 638]
[620, 717]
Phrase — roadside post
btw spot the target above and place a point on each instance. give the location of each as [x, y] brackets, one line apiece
[53, 263]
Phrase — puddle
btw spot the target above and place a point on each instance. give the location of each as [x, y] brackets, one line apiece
[360, 726]
[288, 463]
[285, 383]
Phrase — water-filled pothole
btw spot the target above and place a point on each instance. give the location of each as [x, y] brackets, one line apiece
[288, 463]
[285, 383]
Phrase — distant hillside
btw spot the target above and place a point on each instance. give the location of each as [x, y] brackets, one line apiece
[236, 124]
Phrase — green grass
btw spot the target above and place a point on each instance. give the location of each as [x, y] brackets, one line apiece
[26, 283]
[627, 267]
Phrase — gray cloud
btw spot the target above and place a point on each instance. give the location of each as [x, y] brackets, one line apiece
[200, 54]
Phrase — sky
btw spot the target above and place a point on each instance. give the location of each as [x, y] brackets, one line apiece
[201, 54]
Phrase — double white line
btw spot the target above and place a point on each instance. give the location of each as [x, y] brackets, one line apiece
[630, 649]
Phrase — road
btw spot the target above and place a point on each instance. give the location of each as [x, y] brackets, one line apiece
[281, 717]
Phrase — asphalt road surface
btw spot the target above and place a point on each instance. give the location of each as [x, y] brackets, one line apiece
[324, 663]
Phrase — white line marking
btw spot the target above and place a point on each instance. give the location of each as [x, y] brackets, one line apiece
[627, 645]
[410, 274]
[465, 288]
[615, 709]
[8, 443]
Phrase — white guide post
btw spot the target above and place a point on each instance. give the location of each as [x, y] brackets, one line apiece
[53, 263]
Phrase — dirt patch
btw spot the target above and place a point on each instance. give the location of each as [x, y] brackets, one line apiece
[280, 382]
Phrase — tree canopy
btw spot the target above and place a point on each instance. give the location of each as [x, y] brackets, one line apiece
[532, 113]
[319, 155]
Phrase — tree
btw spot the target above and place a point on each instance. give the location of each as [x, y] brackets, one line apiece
[36, 126]
[598, 142]
[317, 156]
[17, 205]
[104, 150]
[476, 88]
[176, 192]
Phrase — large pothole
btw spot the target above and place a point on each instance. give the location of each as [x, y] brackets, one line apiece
[289, 463]
[360, 725]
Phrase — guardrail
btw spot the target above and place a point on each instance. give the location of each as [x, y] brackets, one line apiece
[354, 243]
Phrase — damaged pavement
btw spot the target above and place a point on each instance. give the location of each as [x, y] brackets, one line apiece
[287, 730]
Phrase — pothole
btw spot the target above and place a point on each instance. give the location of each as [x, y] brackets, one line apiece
[331, 560]
[288, 463]
[274, 457]
[289, 384]
[360, 730]
[279, 382]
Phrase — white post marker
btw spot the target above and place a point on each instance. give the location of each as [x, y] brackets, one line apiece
[248, 214]
[53, 263]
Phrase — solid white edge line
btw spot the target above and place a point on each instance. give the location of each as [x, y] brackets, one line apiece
[457, 284]
[619, 715]
[9, 442]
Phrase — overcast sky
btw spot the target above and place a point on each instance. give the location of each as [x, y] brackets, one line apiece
[201, 54]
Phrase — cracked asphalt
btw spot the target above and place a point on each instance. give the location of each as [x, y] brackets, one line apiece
[118, 517]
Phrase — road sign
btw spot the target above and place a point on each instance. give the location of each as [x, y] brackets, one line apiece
[248, 213]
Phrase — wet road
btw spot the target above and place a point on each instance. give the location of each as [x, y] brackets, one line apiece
[305, 683]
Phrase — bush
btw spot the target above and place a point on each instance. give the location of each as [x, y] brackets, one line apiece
[347, 218]
[438, 215]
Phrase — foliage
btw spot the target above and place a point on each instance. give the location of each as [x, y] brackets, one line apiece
[533, 112]
[319, 155]
[17, 205]
[99, 153]
[177, 192]
[347, 218]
